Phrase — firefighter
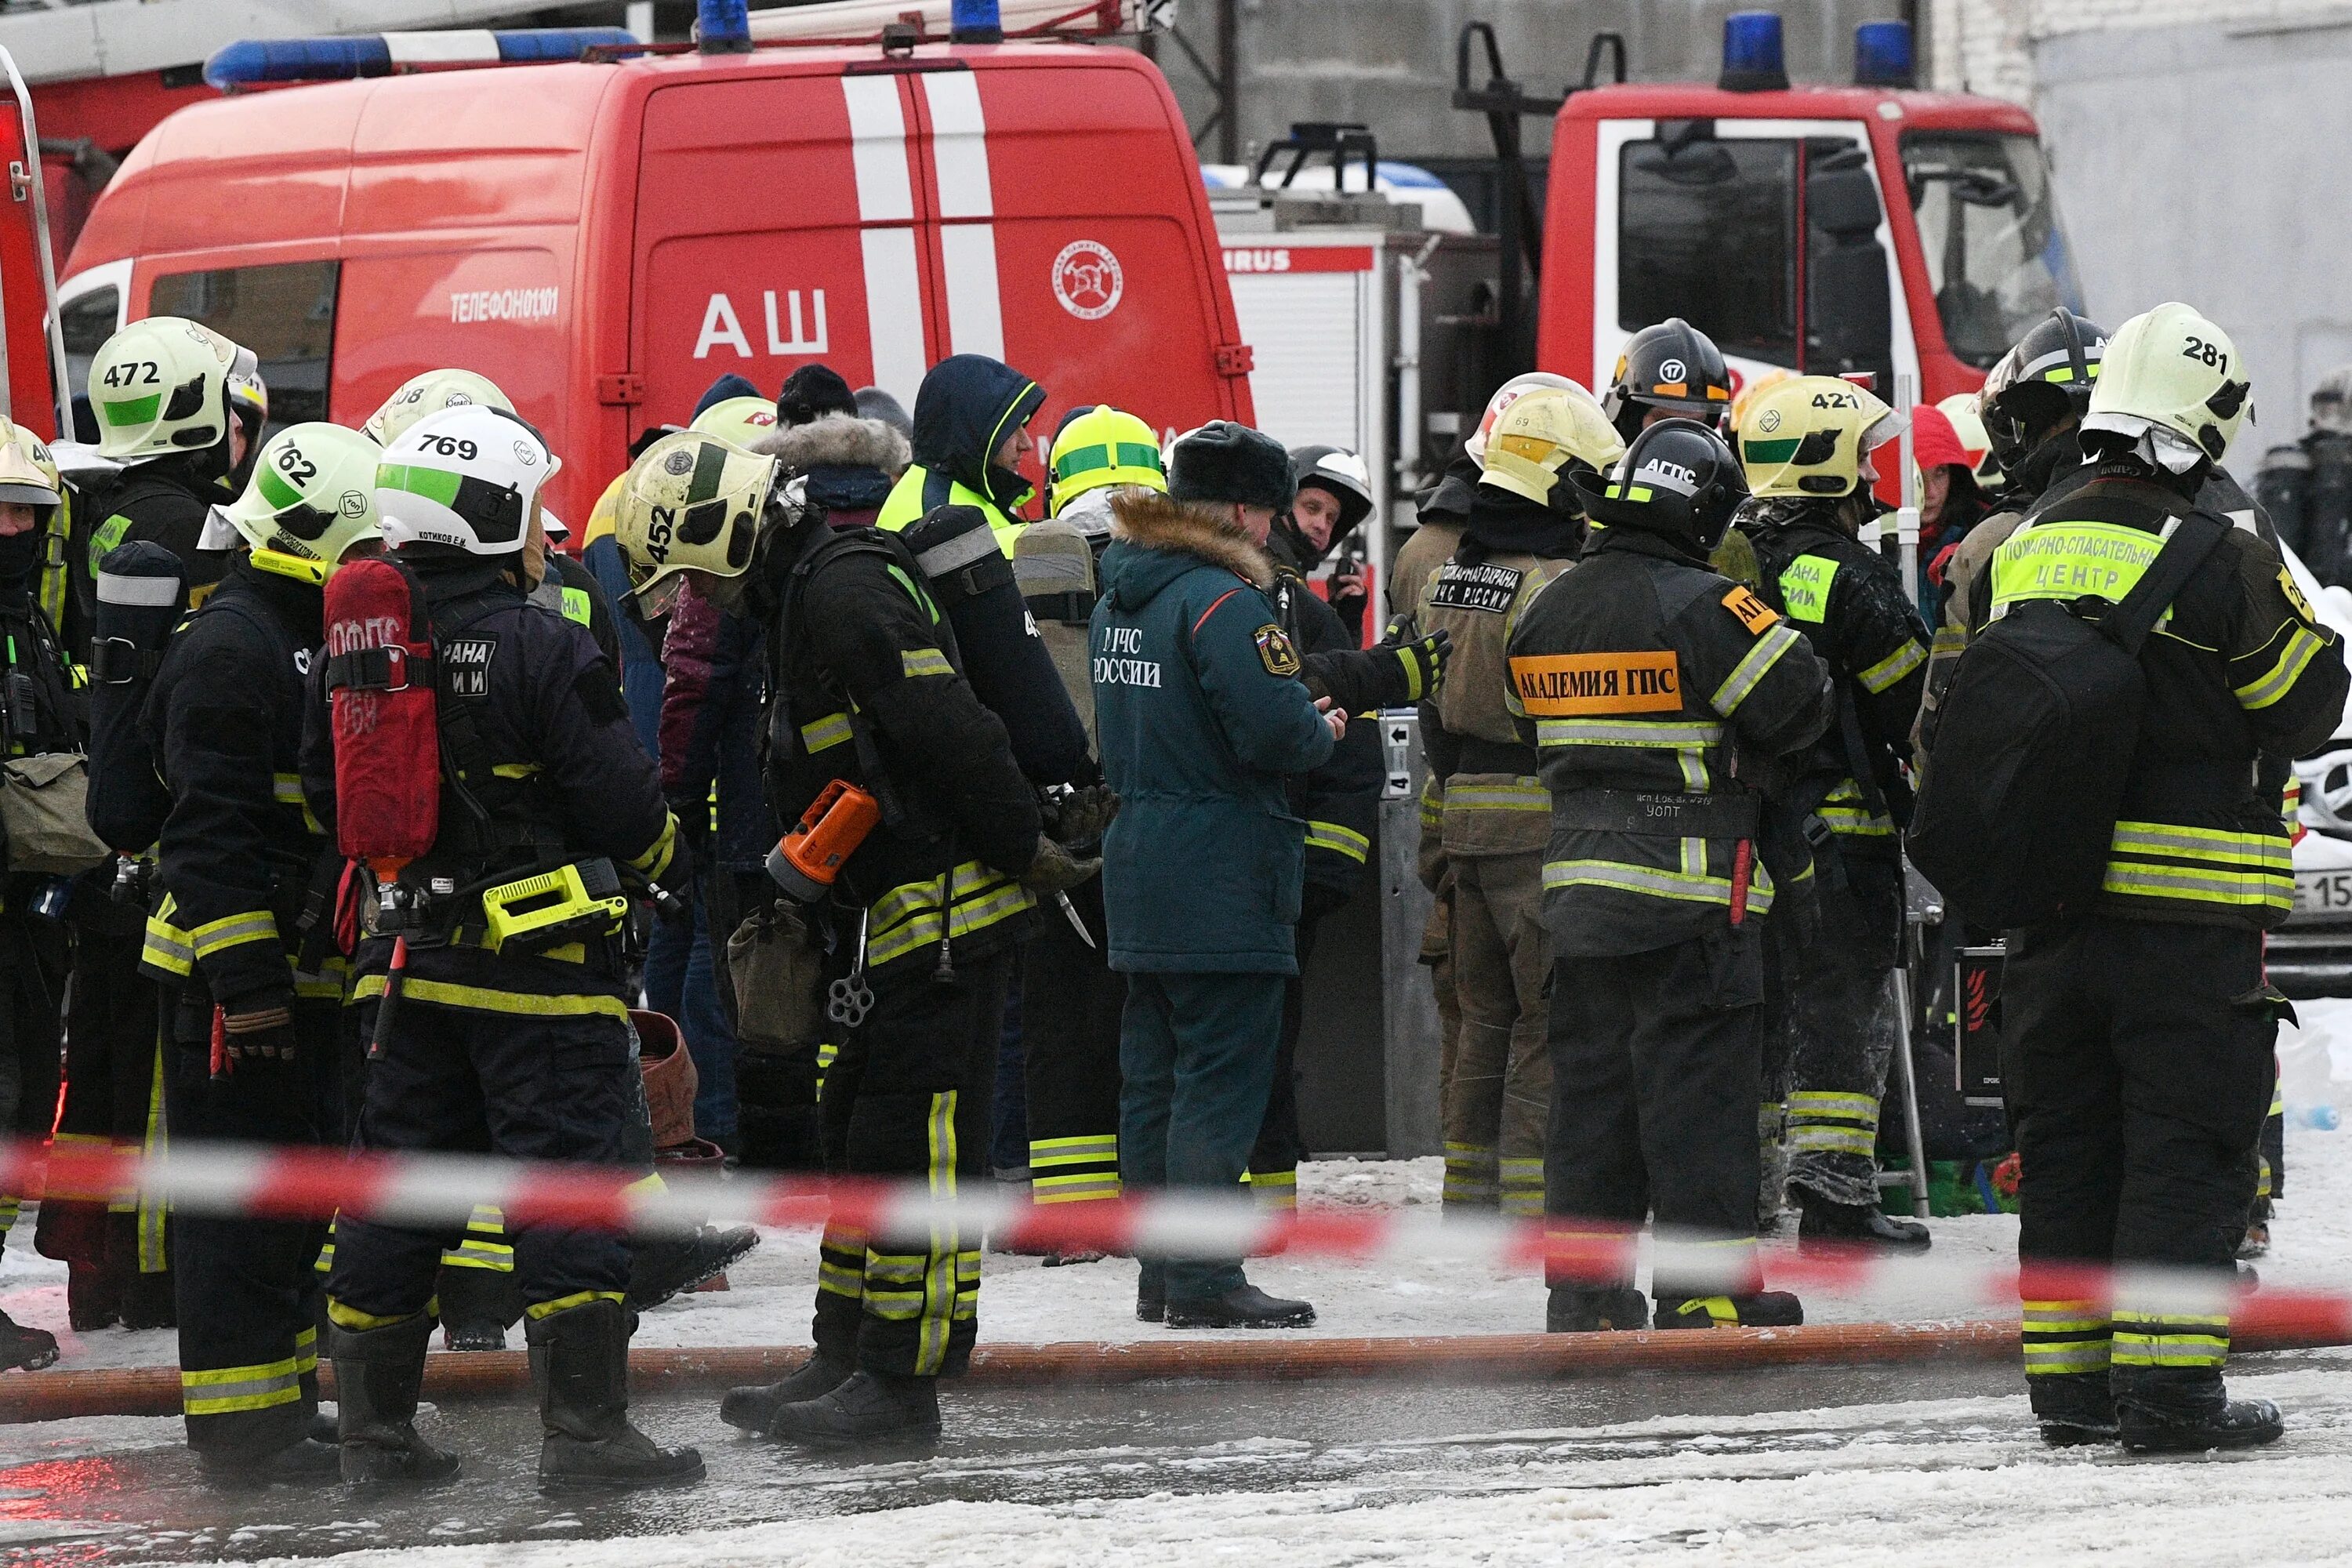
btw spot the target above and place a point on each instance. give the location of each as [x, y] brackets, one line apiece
[1670, 371]
[972, 436]
[40, 714]
[517, 1047]
[430, 392]
[240, 940]
[1334, 498]
[1524, 530]
[926, 911]
[2307, 487]
[1651, 688]
[181, 407]
[2139, 1032]
[1806, 446]
[1203, 722]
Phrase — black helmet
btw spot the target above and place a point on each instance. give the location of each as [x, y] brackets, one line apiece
[2043, 380]
[1673, 366]
[1678, 480]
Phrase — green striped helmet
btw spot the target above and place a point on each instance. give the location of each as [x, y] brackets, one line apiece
[692, 501]
[467, 477]
[165, 384]
[313, 494]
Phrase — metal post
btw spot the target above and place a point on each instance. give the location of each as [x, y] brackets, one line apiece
[1906, 516]
[1229, 85]
[1913, 1138]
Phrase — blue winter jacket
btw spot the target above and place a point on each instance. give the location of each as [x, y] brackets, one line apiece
[1202, 719]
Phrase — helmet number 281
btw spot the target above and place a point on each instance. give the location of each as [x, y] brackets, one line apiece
[2207, 354]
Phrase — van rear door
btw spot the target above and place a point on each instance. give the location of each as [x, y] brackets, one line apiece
[35, 371]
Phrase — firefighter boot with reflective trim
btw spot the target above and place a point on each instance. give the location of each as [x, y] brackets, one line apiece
[663, 1266]
[2072, 1409]
[2186, 1410]
[31, 1349]
[1244, 1307]
[1584, 1308]
[753, 1407]
[870, 1408]
[1854, 1226]
[1764, 1310]
[580, 1369]
[379, 1373]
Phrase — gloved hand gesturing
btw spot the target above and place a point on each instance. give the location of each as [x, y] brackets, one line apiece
[1424, 663]
[1054, 870]
[258, 1028]
[1083, 816]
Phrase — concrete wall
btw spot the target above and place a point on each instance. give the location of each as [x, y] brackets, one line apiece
[2204, 162]
[1390, 63]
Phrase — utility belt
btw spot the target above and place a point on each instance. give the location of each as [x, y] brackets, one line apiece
[1478, 757]
[1660, 815]
[577, 901]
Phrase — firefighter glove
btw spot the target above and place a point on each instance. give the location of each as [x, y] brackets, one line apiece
[263, 1028]
[1083, 816]
[1054, 870]
[1424, 663]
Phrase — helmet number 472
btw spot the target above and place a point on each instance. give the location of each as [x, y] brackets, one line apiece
[134, 373]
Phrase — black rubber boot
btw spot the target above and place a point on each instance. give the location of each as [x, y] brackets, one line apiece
[1152, 1293]
[1244, 1307]
[378, 1374]
[753, 1408]
[1845, 1226]
[661, 1267]
[477, 1306]
[305, 1462]
[1764, 1310]
[580, 1366]
[1585, 1308]
[93, 1297]
[2072, 1409]
[2186, 1410]
[147, 1301]
[31, 1349]
[870, 1408]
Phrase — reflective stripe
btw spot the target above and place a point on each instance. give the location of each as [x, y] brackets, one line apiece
[1687, 887]
[2069, 560]
[907, 918]
[2200, 865]
[939, 1281]
[1805, 584]
[1470, 1174]
[1752, 669]
[1432, 794]
[540, 1310]
[1832, 1122]
[655, 859]
[167, 947]
[1627, 733]
[226, 1390]
[286, 789]
[344, 1316]
[1879, 677]
[1950, 642]
[1084, 1187]
[1527, 796]
[819, 734]
[916, 661]
[482, 999]
[235, 931]
[2171, 1339]
[1339, 840]
[1522, 1185]
[1046, 1152]
[2292, 662]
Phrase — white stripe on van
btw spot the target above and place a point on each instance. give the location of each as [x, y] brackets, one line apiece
[877, 145]
[967, 250]
[441, 49]
[894, 312]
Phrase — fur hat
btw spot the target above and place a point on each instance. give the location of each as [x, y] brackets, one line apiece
[1226, 462]
[873, 402]
[811, 391]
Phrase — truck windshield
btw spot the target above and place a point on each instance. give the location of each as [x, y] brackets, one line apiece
[1996, 255]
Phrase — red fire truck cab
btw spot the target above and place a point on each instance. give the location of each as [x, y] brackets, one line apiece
[605, 238]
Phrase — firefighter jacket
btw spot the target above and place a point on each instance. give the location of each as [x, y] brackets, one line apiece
[872, 690]
[968, 405]
[43, 708]
[712, 716]
[1482, 771]
[1339, 800]
[239, 856]
[2238, 667]
[572, 591]
[1202, 720]
[1656, 693]
[1849, 601]
[1417, 561]
[539, 768]
[2307, 490]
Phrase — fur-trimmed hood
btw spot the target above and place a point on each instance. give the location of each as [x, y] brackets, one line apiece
[1171, 529]
[838, 440]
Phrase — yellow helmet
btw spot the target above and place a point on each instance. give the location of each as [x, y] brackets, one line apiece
[1102, 447]
[1968, 423]
[692, 500]
[1806, 437]
[1543, 431]
[429, 393]
[2173, 378]
[28, 473]
[168, 385]
[311, 497]
[1753, 389]
[740, 420]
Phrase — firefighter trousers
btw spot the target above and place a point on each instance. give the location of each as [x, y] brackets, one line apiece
[113, 1097]
[1842, 1021]
[247, 1291]
[1497, 1096]
[2137, 1056]
[908, 1098]
[556, 1086]
[1196, 1052]
[1656, 1061]
[1070, 1007]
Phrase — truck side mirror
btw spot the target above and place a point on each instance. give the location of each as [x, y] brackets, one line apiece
[1849, 320]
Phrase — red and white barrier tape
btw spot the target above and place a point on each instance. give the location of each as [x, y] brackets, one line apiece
[440, 1191]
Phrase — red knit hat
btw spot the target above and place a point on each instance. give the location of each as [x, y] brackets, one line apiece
[1934, 442]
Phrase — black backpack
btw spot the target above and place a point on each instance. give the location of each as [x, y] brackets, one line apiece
[2025, 776]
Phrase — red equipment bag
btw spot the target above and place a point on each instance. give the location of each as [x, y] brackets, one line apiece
[380, 675]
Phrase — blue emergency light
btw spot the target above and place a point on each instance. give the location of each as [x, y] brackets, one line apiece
[1752, 60]
[975, 22]
[252, 61]
[1881, 55]
[722, 27]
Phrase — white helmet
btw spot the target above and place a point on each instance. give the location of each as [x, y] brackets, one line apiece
[1510, 392]
[467, 477]
[165, 384]
[429, 393]
[2173, 383]
[311, 497]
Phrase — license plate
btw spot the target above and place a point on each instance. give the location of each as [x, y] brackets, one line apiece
[2323, 892]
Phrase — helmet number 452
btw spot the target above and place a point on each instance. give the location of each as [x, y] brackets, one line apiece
[2207, 354]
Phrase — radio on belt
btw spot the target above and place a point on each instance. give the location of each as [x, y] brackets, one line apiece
[805, 861]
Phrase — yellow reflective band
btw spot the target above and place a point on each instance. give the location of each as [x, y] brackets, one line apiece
[1950, 642]
[1339, 840]
[1661, 732]
[2205, 865]
[914, 661]
[2061, 1317]
[821, 734]
[166, 949]
[348, 1316]
[227, 1390]
[1085, 1187]
[539, 1310]
[236, 930]
[655, 859]
[1887, 671]
[2292, 662]
[516, 769]
[1045, 1153]
[522, 1004]
[841, 1281]
[495, 1255]
[1524, 795]
[1655, 882]
[286, 789]
[1751, 670]
[907, 917]
[937, 1299]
